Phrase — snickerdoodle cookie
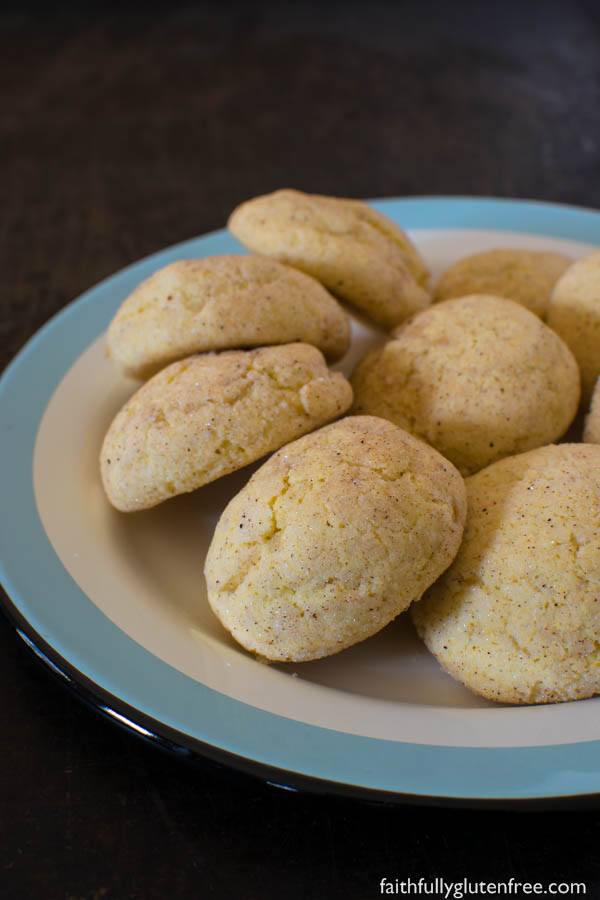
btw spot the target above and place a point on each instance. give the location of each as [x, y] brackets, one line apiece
[223, 302]
[355, 251]
[591, 427]
[208, 415]
[574, 313]
[478, 378]
[517, 615]
[334, 536]
[526, 276]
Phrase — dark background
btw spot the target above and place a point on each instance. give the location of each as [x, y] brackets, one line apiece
[125, 128]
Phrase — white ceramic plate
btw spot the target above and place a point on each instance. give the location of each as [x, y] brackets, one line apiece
[117, 604]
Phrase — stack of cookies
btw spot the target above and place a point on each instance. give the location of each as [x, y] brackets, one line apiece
[438, 488]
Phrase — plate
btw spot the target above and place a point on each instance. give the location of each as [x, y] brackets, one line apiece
[116, 604]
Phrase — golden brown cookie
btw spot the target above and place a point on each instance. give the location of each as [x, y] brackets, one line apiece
[574, 313]
[206, 416]
[334, 536]
[525, 276]
[517, 616]
[221, 302]
[358, 253]
[478, 378]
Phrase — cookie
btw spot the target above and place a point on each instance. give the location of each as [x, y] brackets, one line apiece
[223, 302]
[591, 426]
[358, 253]
[525, 276]
[208, 415]
[478, 378]
[334, 536]
[574, 313]
[516, 617]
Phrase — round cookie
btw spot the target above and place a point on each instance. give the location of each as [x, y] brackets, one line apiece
[526, 276]
[574, 313]
[206, 416]
[591, 425]
[358, 253]
[516, 617]
[478, 378]
[223, 302]
[334, 536]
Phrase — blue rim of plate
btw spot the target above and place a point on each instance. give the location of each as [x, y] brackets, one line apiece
[137, 690]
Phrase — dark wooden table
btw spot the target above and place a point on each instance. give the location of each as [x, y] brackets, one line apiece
[127, 128]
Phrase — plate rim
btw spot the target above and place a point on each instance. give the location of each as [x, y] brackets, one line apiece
[570, 770]
[192, 751]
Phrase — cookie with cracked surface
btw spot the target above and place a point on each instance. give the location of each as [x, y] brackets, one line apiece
[525, 276]
[355, 251]
[574, 313]
[208, 415]
[478, 378]
[516, 617]
[219, 303]
[333, 537]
